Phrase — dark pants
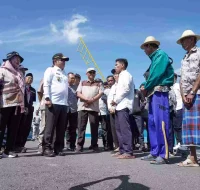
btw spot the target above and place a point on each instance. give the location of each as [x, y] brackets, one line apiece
[94, 125]
[9, 118]
[24, 127]
[72, 122]
[137, 120]
[56, 118]
[113, 130]
[106, 131]
[177, 125]
[123, 129]
[171, 133]
[134, 129]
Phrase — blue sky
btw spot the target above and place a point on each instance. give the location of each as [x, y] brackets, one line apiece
[111, 29]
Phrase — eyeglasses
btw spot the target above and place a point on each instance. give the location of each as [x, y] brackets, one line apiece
[110, 80]
[92, 72]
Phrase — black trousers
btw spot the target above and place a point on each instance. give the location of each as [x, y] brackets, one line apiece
[94, 125]
[72, 122]
[177, 125]
[10, 118]
[106, 131]
[56, 118]
[24, 127]
[137, 122]
[113, 130]
[171, 132]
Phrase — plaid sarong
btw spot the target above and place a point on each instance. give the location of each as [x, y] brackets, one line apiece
[191, 123]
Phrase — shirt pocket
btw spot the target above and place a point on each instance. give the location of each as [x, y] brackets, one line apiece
[194, 64]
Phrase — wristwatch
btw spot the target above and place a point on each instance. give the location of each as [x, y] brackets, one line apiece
[192, 92]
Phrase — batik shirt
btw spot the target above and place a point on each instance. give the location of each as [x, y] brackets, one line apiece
[190, 70]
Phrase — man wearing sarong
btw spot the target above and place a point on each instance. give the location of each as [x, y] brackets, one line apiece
[190, 92]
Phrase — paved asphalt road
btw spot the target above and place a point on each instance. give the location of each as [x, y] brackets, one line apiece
[92, 171]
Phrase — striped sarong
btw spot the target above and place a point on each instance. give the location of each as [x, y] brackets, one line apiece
[191, 123]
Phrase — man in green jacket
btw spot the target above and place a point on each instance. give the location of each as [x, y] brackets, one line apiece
[159, 78]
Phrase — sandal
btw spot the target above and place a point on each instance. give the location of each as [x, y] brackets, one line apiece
[116, 154]
[126, 156]
[159, 161]
[188, 163]
[148, 158]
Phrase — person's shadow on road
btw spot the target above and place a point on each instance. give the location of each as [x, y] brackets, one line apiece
[125, 184]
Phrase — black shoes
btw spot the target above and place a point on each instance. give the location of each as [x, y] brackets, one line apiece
[61, 153]
[48, 153]
[24, 149]
[9, 155]
[108, 148]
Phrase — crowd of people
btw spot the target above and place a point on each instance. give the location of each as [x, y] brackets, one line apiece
[168, 110]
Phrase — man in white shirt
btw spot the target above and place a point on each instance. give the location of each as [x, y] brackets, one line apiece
[104, 118]
[124, 104]
[36, 125]
[111, 109]
[178, 116]
[56, 101]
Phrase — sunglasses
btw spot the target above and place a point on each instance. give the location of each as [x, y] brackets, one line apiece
[110, 80]
[146, 45]
[92, 72]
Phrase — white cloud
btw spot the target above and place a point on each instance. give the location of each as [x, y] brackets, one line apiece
[71, 29]
[53, 28]
[69, 32]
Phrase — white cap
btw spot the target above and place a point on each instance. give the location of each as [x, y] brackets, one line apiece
[90, 69]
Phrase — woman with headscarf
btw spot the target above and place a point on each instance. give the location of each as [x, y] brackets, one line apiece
[11, 101]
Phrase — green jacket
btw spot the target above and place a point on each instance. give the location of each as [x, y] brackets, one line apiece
[161, 72]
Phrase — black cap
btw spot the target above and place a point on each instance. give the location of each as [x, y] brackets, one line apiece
[29, 75]
[98, 80]
[177, 75]
[21, 67]
[77, 76]
[12, 54]
[60, 56]
[113, 71]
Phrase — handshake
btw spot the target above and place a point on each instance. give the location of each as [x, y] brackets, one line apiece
[113, 106]
[112, 110]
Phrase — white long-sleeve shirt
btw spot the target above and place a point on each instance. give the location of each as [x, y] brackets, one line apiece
[111, 96]
[125, 91]
[176, 88]
[56, 85]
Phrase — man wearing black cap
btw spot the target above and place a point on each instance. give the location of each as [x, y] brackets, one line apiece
[56, 101]
[77, 79]
[27, 116]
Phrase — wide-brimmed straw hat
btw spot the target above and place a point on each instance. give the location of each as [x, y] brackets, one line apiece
[188, 33]
[150, 40]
